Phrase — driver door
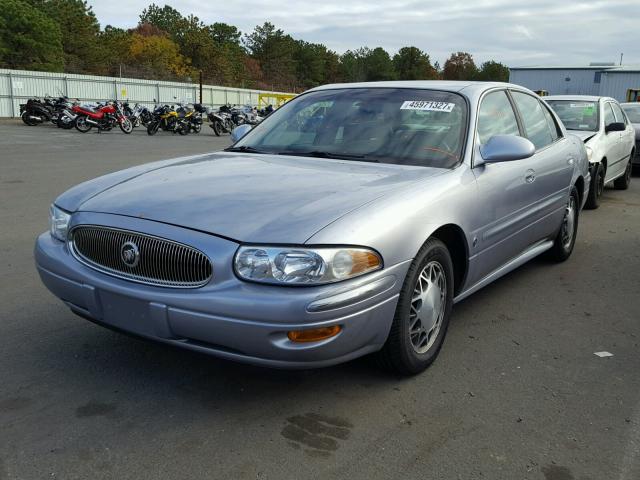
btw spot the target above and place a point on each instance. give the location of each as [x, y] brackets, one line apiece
[505, 190]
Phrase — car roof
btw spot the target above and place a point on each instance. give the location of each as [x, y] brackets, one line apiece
[586, 98]
[470, 88]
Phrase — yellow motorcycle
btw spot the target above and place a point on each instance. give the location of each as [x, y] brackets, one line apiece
[169, 120]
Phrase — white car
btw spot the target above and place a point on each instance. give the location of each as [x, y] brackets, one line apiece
[608, 135]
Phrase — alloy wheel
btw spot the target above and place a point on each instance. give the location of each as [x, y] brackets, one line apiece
[568, 224]
[428, 305]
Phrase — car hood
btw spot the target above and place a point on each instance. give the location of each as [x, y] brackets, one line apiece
[637, 127]
[245, 197]
[582, 135]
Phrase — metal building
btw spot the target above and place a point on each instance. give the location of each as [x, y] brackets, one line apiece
[608, 80]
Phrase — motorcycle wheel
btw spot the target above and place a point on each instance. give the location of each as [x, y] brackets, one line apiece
[152, 128]
[25, 118]
[126, 126]
[65, 122]
[197, 127]
[183, 129]
[217, 127]
[81, 124]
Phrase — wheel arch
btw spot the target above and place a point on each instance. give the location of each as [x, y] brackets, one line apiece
[456, 242]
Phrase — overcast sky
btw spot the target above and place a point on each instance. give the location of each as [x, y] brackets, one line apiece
[517, 32]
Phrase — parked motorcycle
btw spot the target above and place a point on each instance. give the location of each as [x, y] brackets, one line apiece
[195, 117]
[140, 115]
[220, 121]
[167, 119]
[104, 118]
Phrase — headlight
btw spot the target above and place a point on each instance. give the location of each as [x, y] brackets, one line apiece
[58, 223]
[589, 152]
[304, 266]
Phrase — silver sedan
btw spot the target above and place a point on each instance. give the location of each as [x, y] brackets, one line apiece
[347, 223]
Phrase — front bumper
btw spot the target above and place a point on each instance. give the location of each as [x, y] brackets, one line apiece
[227, 318]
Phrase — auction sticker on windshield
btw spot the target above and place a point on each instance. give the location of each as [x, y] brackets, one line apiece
[427, 105]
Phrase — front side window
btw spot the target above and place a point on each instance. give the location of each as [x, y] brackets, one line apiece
[496, 117]
[535, 122]
[387, 125]
[576, 114]
[609, 117]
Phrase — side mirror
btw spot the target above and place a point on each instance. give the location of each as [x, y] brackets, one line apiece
[615, 127]
[240, 132]
[505, 148]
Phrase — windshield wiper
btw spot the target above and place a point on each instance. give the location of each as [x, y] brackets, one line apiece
[323, 154]
[243, 148]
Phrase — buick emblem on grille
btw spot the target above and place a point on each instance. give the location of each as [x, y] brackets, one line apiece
[130, 254]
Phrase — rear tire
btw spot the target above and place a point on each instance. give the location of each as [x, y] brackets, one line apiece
[81, 124]
[423, 311]
[596, 188]
[27, 121]
[152, 128]
[566, 238]
[622, 183]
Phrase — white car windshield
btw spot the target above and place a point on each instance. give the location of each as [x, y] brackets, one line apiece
[576, 114]
[387, 125]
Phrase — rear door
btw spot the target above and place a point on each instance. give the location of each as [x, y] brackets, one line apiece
[552, 165]
[612, 150]
[627, 138]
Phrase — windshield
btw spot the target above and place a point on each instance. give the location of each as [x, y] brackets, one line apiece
[387, 125]
[577, 115]
[633, 112]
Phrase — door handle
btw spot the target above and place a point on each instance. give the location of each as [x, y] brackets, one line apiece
[530, 176]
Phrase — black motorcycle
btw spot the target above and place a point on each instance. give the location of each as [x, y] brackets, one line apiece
[35, 112]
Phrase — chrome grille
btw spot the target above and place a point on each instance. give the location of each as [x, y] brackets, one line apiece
[147, 259]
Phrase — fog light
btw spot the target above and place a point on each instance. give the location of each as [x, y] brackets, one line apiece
[314, 335]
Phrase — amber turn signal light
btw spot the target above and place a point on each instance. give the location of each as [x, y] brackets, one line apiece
[314, 335]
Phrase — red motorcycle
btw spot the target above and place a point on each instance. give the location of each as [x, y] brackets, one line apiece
[104, 118]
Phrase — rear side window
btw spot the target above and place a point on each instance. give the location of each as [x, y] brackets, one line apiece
[536, 124]
[553, 126]
[620, 117]
[609, 117]
[496, 117]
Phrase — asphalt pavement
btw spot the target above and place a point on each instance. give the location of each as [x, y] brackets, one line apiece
[517, 392]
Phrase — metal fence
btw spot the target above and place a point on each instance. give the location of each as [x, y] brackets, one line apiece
[17, 86]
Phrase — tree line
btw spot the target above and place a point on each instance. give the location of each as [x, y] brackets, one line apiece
[65, 36]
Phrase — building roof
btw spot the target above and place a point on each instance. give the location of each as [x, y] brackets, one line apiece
[603, 68]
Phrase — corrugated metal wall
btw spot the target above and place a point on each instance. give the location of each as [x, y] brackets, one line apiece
[616, 84]
[580, 82]
[16, 86]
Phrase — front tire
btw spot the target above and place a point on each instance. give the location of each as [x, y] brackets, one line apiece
[126, 126]
[217, 127]
[623, 182]
[566, 238]
[596, 188]
[423, 311]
